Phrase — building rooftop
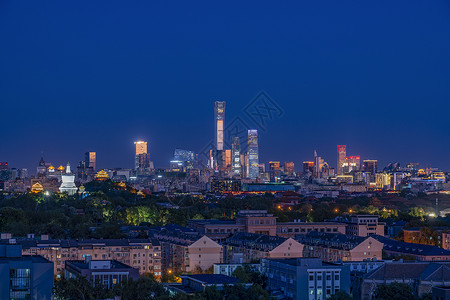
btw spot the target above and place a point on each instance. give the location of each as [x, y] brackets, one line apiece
[428, 271]
[410, 248]
[71, 243]
[255, 241]
[331, 240]
[212, 278]
[97, 264]
[32, 258]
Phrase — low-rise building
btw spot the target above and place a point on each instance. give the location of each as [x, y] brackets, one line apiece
[228, 269]
[417, 251]
[438, 236]
[305, 278]
[251, 247]
[106, 273]
[142, 254]
[365, 225]
[24, 276]
[187, 252]
[340, 247]
[291, 229]
[421, 276]
[191, 284]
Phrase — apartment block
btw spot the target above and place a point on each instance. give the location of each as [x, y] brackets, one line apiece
[250, 247]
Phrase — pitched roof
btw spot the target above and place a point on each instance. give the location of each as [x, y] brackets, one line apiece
[410, 248]
[404, 270]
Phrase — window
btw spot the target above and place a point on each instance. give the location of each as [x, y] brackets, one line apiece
[311, 291]
[336, 277]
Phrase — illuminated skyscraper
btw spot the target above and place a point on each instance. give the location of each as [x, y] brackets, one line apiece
[341, 154]
[351, 163]
[219, 120]
[274, 171]
[370, 165]
[142, 158]
[319, 162]
[236, 156]
[289, 168]
[252, 150]
[90, 159]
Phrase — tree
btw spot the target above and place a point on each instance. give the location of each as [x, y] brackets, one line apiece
[341, 295]
[394, 291]
[246, 274]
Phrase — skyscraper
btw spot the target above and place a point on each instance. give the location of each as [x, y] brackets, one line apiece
[252, 150]
[274, 171]
[341, 154]
[90, 159]
[289, 168]
[319, 162]
[141, 158]
[219, 120]
[236, 156]
[370, 165]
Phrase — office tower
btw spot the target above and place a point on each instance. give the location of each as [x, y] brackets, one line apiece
[318, 165]
[90, 159]
[42, 168]
[289, 168]
[4, 166]
[236, 156]
[227, 158]
[308, 167]
[5, 173]
[351, 164]
[274, 171]
[219, 120]
[341, 154]
[370, 165]
[244, 165]
[142, 158]
[183, 155]
[252, 150]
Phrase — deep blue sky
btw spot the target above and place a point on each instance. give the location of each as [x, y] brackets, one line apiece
[96, 75]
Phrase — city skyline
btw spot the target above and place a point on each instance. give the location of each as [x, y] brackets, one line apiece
[380, 86]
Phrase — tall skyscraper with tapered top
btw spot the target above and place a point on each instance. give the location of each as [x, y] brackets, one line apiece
[236, 156]
[341, 155]
[219, 121]
[252, 150]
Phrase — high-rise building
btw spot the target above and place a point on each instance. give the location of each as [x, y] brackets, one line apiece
[341, 154]
[319, 162]
[289, 168]
[274, 171]
[219, 120]
[142, 158]
[370, 165]
[90, 159]
[42, 168]
[351, 163]
[236, 156]
[252, 150]
[308, 167]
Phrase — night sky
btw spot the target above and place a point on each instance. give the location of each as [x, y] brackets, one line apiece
[97, 75]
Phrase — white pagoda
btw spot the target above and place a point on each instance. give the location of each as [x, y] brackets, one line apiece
[68, 182]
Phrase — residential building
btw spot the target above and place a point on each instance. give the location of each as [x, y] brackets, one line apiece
[186, 252]
[421, 276]
[24, 276]
[436, 236]
[340, 247]
[106, 273]
[228, 269]
[246, 247]
[253, 221]
[365, 225]
[191, 284]
[142, 254]
[417, 251]
[291, 229]
[305, 278]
